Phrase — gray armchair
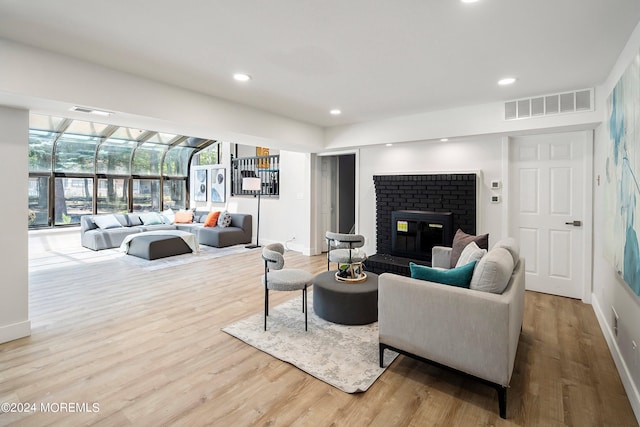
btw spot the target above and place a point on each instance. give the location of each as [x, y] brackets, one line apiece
[468, 330]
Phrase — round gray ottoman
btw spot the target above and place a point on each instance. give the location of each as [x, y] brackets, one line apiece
[346, 303]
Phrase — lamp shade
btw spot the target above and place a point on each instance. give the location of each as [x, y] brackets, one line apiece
[251, 184]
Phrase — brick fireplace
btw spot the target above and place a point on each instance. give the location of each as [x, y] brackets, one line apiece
[454, 193]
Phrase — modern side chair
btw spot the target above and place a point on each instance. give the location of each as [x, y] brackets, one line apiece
[277, 278]
[343, 248]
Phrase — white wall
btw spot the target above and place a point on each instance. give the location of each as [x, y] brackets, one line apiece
[285, 219]
[14, 287]
[474, 120]
[288, 216]
[482, 155]
[225, 162]
[608, 289]
[50, 83]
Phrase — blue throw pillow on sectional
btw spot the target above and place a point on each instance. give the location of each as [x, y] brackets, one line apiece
[460, 276]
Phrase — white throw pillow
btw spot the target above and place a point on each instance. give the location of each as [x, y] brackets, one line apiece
[151, 218]
[493, 272]
[106, 221]
[168, 216]
[470, 253]
[511, 245]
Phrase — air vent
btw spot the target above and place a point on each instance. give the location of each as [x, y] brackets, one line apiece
[557, 103]
[82, 109]
[91, 111]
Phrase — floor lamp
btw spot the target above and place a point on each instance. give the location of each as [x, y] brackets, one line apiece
[254, 184]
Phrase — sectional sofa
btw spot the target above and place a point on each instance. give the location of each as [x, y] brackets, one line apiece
[109, 230]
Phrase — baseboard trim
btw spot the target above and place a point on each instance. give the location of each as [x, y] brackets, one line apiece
[632, 390]
[15, 331]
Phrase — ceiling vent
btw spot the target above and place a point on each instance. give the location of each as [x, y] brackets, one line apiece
[91, 111]
[545, 105]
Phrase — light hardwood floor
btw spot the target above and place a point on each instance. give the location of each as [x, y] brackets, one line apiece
[147, 348]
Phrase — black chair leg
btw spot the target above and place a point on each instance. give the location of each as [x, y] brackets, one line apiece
[328, 251]
[381, 348]
[304, 308]
[502, 401]
[266, 306]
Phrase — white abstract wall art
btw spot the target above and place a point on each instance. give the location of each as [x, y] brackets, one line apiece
[218, 185]
[622, 189]
[200, 185]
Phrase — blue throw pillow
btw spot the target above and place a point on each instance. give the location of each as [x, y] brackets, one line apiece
[460, 276]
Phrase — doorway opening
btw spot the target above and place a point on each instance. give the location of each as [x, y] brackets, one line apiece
[338, 194]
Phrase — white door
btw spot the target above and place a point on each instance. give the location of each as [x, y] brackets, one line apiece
[547, 193]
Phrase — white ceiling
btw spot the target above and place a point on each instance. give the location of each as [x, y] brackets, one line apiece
[373, 59]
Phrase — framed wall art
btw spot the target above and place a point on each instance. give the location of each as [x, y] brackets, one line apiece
[218, 184]
[200, 185]
[622, 186]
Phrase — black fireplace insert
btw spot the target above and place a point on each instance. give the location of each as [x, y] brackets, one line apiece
[415, 233]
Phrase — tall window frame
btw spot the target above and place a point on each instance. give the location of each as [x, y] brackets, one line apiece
[81, 168]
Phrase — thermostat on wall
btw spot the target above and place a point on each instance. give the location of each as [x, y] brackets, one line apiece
[495, 185]
[495, 198]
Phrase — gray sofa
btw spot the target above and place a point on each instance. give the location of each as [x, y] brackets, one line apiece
[96, 238]
[467, 330]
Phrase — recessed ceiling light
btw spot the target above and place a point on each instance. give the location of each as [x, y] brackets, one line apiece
[444, 139]
[468, 1]
[388, 145]
[335, 112]
[507, 81]
[241, 77]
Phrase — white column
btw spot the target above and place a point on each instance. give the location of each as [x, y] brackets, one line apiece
[14, 261]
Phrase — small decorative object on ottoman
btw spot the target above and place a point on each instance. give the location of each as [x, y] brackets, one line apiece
[351, 273]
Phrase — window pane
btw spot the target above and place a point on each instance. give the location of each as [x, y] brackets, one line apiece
[38, 201]
[76, 153]
[176, 161]
[37, 121]
[209, 156]
[147, 159]
[114, 157]
[127, 133]
[73, 198]
[80, 127]
[146, 195]
[113, 195]
[174, 194]
[163, 138]
[40, 147]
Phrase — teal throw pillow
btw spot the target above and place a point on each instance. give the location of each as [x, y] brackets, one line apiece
[459, 276]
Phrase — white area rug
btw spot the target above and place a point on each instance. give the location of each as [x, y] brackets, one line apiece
[206, 252]
[345, 357]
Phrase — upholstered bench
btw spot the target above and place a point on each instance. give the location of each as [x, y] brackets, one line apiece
[157, 246]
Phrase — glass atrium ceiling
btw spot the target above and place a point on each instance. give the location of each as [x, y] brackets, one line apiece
[62, 145]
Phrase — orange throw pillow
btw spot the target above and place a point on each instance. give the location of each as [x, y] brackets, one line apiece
[184, 217]
[212, 219]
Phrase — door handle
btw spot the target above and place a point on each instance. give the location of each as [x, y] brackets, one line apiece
[574, 223]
